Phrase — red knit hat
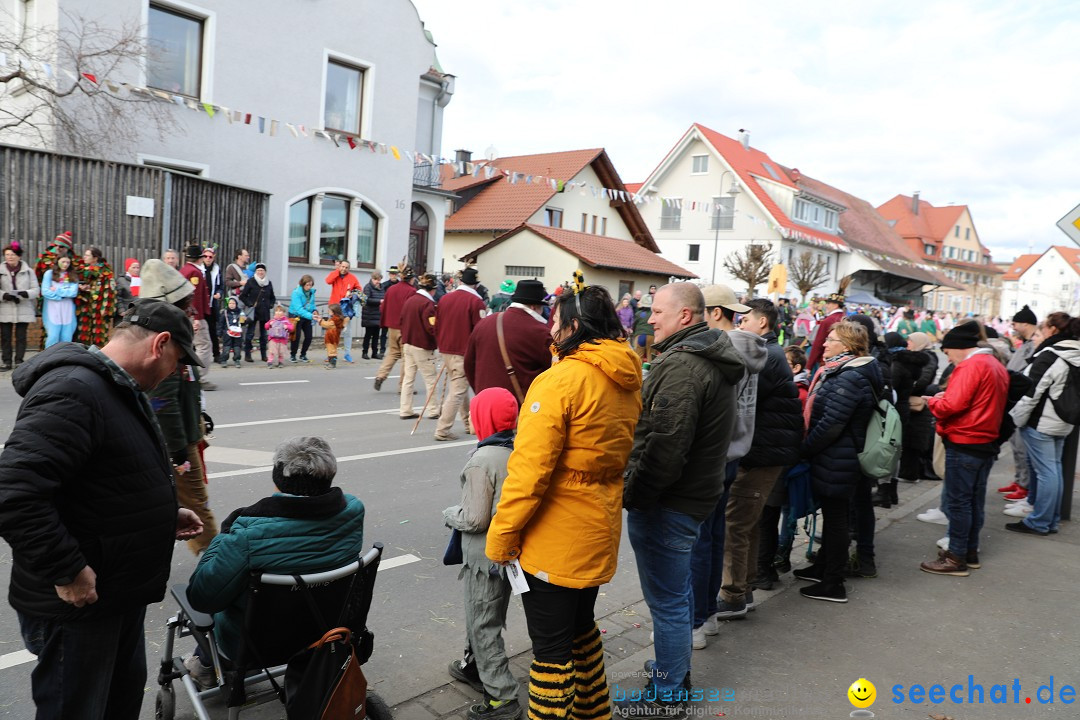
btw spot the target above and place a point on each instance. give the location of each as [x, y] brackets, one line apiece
[493, 410]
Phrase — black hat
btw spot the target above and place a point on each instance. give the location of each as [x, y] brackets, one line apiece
[529, 292]
[990, 332]
[160, 317]
[963, 336]
[1025, 316]
[393, 270]
[469, 276]
[298, 484]
[895, 340]
[260, 265]
[193, 251]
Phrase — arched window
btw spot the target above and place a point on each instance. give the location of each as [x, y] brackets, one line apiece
[325, 228]
[418, 238]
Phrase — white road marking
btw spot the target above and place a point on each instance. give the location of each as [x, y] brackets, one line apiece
[18, 658]
[388, 377]
[304, 419]
[238, 456]
[347, 458]
[277, 382]
[21, 657]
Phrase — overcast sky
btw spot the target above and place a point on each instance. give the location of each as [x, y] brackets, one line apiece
[968, 101]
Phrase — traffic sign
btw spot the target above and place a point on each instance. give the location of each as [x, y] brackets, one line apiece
[1070, 224]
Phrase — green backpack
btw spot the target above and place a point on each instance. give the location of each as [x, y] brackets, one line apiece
[881, 449]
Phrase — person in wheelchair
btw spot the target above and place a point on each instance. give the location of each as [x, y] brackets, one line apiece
[307, 526]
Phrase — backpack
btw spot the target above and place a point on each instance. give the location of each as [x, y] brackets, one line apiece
[1067, 404]
[881, 449]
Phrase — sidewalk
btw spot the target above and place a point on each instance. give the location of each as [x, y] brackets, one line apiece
[1013, 619]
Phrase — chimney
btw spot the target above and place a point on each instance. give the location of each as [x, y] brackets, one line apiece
[461, 156]
[796, 176]
[915, 202]
[744, 138]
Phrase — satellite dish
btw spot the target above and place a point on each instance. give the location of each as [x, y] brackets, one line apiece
[491, 153]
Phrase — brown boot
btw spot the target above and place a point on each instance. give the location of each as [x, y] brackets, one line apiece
[946, 564]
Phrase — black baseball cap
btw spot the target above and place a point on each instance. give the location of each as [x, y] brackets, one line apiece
[162, 317]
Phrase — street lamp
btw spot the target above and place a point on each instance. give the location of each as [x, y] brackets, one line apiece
[732, 191]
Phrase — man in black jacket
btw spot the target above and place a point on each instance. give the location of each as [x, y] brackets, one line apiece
[88, 506]
[675, 475]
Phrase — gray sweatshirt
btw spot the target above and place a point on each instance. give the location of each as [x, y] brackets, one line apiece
[752, 349]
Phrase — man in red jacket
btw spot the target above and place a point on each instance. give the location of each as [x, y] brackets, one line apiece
[391, 306]
[834, 306]
[342, 282]
[459, 312]
[526, 337]
[200, 310]
[968, 415]
[418, 344]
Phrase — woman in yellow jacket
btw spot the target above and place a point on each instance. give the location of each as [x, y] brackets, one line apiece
[560, 513]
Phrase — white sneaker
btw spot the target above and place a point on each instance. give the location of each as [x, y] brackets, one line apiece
[933, 515]
[202, 675]
[710, 626]
[943, 543]
[1020, 503]
[699, 641]
[1019, 511]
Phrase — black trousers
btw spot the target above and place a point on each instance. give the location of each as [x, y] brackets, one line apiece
[555, 616]
[20, 341]
[371, 339]
[862, 517]
[833, 554]
[303, 326]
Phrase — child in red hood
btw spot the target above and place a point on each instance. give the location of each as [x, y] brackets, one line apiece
[485, 666]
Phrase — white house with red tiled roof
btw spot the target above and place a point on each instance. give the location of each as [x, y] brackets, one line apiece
[1045, 282]
[713, 195]
[945, 237]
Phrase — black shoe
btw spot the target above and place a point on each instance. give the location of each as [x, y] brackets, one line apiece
[292, 359]
[466, 673]
[365, 356]
[730, 611]
[1021, 527]
[765, 579]
[377, 356]
[247, 358]
[6, 367]
[782, 559]
[748, 598]
[972, 560]
[825, 591]
[810, 573]
[378, 383]
[862, 566]
[489, 710]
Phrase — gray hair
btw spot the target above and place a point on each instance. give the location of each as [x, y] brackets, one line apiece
[306, 456]
[687, 295]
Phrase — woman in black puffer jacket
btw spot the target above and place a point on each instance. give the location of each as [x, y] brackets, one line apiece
[918, 450]
[907, 367]
[370, 316]
[838, 409]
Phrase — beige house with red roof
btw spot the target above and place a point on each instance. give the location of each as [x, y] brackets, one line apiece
[559, 212]
[1045, 282]
[945, 237]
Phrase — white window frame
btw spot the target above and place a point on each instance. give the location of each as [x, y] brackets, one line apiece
[694, 163]
[672, 214]
[832, 219]
[209, 24]
[689, 252]
[548, 211]
[716, 217]
[356, 200]
[367, 91]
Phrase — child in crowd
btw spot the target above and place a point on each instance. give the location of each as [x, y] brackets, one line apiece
[487, 591]
[59, 287]
[333, 326]
[796, 359]
[278, 330]
[231, 332]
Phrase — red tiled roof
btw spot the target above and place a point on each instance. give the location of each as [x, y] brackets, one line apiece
[750, 164]
[864, 229]
[1071, 255]
[1020, 265]
[597, 251]
[501, 205]
[633, 187]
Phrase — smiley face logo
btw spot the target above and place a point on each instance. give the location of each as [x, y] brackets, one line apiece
[862, 693]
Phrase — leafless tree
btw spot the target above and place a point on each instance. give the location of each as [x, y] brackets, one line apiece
[808, 272]
[62, 88]
[751, 265]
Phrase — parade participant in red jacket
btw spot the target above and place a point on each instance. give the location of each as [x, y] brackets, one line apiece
[968, 415]
[391, 318]
[200, 309]
[834, 305]
[418, 344]
[459, 312]
[527, 340]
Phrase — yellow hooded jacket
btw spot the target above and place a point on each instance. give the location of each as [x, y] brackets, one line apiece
[561, 507]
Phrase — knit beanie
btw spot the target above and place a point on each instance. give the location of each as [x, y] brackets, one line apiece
[493, 410]
[963, 336]
[895, 340]
[299, 484]
[1025, 316]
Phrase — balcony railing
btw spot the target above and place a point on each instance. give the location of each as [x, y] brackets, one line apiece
[426, 175]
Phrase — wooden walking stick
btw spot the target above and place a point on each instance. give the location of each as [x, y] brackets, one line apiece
[431, 391]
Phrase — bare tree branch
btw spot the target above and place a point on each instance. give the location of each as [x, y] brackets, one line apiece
[808, 272]
[47, 99]
[751, 265]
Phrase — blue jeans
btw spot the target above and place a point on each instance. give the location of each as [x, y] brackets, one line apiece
[1044, 458]
[87, 670]
[662, 540]
[707, 558]
[965, 498]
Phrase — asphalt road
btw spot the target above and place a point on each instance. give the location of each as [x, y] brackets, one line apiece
[404, 481]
